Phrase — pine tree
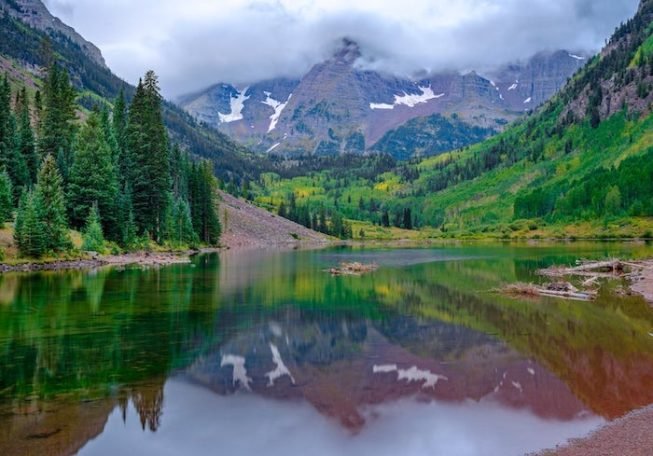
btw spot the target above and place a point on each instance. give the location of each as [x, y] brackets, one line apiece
[58, 119]
[110, 136]
[203, 203]
[50, 206]
[93, 235]
[130, 235]
[408, 219]
[181, 232]
[29, 232]
[385, 219]
[9, 156]
[119, 120]
[147, 142]
[6, 198]
[93, 179]
[26, 141]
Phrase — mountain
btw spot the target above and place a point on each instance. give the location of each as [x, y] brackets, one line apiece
[35, 14]
[579, 166]
[338, 107]
[30, 36]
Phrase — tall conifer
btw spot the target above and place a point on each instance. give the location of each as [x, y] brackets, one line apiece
[149, 158]
[93, 179]
[50, 206]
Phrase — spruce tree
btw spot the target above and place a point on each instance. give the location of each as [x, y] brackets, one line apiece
[110, 136]
[93, 235]
[149, 163]
[130, 235]
[119, 121]
[180, 231]
[93, 179]
[50, 206]
[29, 232]
[58, 120]
[6, 198]
[9, 156]
[26, 141]
[203, 203]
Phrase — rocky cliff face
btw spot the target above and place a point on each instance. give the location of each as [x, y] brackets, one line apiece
[337, 107]
[36, 15]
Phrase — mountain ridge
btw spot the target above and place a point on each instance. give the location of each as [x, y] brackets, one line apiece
[336, 103]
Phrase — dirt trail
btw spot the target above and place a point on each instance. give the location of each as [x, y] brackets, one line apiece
[245, 226]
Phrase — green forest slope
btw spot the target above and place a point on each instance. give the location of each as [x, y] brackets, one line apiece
[581, 166]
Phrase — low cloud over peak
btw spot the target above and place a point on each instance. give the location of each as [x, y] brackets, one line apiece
[195, 43]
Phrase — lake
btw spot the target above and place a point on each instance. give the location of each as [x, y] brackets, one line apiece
[266, 353]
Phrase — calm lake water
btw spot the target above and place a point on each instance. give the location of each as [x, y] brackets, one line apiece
[266, 353]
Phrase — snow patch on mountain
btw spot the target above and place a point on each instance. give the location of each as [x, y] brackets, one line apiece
[237, 105]
[528, 100]
[410, 100]
[272, 148]
[514, 86]
[278, 109]
[577, 57]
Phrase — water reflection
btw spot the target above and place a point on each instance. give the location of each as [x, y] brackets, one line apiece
[421, 342]
[250, 424]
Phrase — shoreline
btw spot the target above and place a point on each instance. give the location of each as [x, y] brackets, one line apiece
[166, 258]
[148, 259]
[628, 435]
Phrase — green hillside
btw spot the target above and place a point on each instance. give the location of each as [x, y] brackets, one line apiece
[581, 166]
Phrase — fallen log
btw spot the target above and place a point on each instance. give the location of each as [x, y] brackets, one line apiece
[550, 291]
[353, 269]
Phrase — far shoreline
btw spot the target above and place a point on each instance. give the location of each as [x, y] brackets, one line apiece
[168, 258]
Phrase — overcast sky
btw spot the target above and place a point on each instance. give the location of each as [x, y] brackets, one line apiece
[194, 43]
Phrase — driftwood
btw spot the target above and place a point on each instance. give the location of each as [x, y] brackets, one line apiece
[639, 274]
[353, 269]
[551, 290]
[587, 269]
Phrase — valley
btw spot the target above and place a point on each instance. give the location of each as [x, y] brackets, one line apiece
[381, 229]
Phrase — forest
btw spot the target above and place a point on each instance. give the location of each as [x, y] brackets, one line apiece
[111, 174]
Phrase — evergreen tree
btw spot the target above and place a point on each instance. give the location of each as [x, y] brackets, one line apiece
[130, 235]
[9, 156]
[282, 210]
[58, 120]
[385, 219]
[149, 173]
[6, 198]
[110, 136]
[29, 233]
[93, 236]
[119, 120]
[38, 110]
[181, 233]
[203, 203]
[93, 179]
[408, 219]
[26, 141]
[50, 206]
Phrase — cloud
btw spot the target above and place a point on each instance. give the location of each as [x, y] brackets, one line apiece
[195, 43]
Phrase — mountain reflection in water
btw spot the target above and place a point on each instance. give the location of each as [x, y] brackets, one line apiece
[267, 352]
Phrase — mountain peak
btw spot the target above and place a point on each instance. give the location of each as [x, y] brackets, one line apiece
[348, 52]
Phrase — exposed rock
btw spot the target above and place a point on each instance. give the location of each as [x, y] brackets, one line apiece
[36, 15]
[338, 107]
[245, 226]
